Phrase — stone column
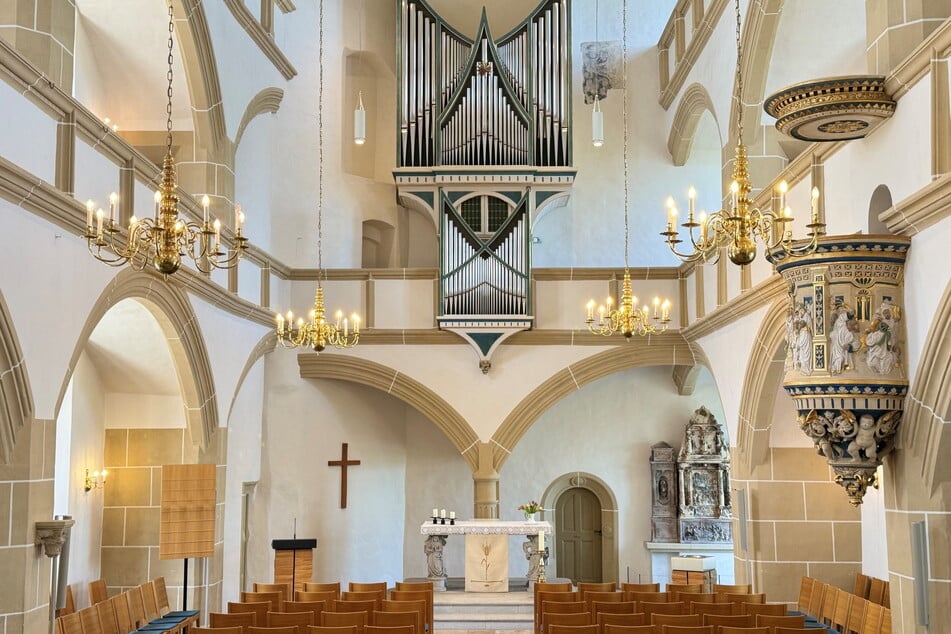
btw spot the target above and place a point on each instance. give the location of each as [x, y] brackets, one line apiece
[895, 27]
[486, 485]
[44, 32]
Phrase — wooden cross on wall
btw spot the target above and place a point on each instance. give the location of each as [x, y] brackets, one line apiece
[343, 463]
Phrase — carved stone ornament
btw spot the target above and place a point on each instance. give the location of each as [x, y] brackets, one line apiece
[831, 109]
[845, 361]
[51, 534]
[704, 481]
[663, 463]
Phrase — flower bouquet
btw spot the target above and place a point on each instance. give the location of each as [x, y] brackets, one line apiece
[530, 509]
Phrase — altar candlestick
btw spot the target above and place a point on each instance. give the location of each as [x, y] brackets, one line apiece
[452, 515]
[435, 512]
[442, 514]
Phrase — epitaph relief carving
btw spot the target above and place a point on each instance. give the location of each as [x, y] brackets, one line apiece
[601, 67]
[664, 493]
[705, 505]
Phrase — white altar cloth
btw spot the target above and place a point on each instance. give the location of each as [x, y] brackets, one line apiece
[486, 527]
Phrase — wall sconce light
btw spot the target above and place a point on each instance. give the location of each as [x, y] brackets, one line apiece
[96, 480]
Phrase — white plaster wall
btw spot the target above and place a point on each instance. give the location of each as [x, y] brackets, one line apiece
[403, 303]
[254, 183]
[27, 134]
[927, 274]
[874, 538]
[605, 429]
[85, 452]
[143, 411]
[244, 465]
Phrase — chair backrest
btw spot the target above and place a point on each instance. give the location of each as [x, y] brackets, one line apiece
[815, 599]
[415, 585]
[731, 629]
[588, 586]
[326, 629]
[107, 618]
[254, 629]
[609, 618]
[123, 616]
[310, 586]
[283, 588]
[876, 590]
[856, 614]
[327, 596]
[389, 629]
[161, 595]
[416, 595]
[133, 597]
[616, 607]
[573, 629]
[97, 591]
[862, 585]
[742, 588]
[258, 608]
[732, 620]
[742, 597]
[602, 597]
[338, 619]
[300, 620]
[364, 595]
[640, 587]
[796, 630]
[828, 605]
[675, 588]
[148, 600]
[843, 603]
[419, 607]
[369, 606]
[236, 619]
[805, 593]
[274, 598]
[612, 628]
[563, 607]
[71, 623]
[553, 586]
[670, 607]
[658, 620]
[686, 629]
[576, 618]
[397, 619]
[650, 597]
[773, 609]
[712, 608]
[874, 615]
[314, 607]
[780, 621]
[543, 596]
[373, 586]
[89, 618]
[886, 626]
[696, 597]
[192, 629]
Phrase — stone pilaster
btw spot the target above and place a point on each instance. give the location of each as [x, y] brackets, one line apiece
[44, 32]
[486, 485]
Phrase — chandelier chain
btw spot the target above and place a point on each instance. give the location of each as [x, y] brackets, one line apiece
[739, 74]
[169, 76]
[624, 117]
[320, 148]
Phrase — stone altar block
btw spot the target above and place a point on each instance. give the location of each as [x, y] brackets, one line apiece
[487, 567]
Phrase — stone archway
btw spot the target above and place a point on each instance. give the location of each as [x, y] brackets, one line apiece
[695, 101]
[609, 514]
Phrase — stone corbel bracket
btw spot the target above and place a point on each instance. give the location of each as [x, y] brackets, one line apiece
[51, 534]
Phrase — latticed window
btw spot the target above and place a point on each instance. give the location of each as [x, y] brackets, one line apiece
[498, 212]
[471, 212]
[485, 214]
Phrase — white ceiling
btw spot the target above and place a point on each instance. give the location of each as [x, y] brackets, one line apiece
[131, 353]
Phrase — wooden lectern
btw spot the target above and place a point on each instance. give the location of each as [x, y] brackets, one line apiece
[293, 561]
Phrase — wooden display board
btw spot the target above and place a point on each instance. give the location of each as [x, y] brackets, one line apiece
[294, 561]
[187, 526]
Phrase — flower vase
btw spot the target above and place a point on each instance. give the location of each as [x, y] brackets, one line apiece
[530, 517]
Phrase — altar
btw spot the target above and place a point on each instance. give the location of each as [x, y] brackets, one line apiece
[486, 548]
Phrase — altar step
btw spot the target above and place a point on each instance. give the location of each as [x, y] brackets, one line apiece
[459, 610]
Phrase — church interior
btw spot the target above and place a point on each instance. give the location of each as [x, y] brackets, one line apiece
[308, 259]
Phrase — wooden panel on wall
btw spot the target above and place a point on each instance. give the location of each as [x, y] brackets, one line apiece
[188, 511]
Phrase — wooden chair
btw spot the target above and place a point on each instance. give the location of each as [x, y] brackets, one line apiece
[862, 585]
[732, 620]
[564, 607]
[660, 620]
[815, 599]
[735, 597]
[755, 609]
[345, 619]
[676, 588]
[686, 629]
[376, 596]
[780, 621]
[805, 593]
[71, 623]
[324, 629]
[671, 607]
[89, 619]
[254, 629]
[689, 598]
[874, 615]
[258, 608]
[373, 586]
[216, 630]
[742, 588]
[730, 629]
[299, 620]
[97, 591]
[148, 600]
[243, 620]
[640, 587]
[133, 597]
[612, 628]
[274, 598]
[602, 597]
[543, 596]
[843, 603]
[419, 607]
[650, 597]
[553, 586]
[397, 619]
[107, 618]
[161, 595]
[611, 607]
[327, 596]
[357, 606]
[389, 629]
[123, 616]
[573, 619]
[876, 590]
[415, 585]
[417, 595]
[828, 605]
[310, 586]
[886, 626]
[314, 607]
[283, 588]
[722, 609]
[573, 629]
[587, 586]
[606, 619]
[856, 615]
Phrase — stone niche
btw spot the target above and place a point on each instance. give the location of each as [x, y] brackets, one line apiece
[703, 465]
[664, 494]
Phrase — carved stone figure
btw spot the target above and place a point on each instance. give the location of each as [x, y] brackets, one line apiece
[817, 428]
[842, 340]
[530, 548]
[433, 548]
[881, 339]
[864, 440]
[663, 490]
[704, 481]
[801, 346]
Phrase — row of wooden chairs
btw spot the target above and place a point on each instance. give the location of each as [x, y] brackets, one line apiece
[293, 629]
[681, 629]
[144, 605]
[845, 612]
[556, 620]
[873, 589]
[248, 615]
[628, 613]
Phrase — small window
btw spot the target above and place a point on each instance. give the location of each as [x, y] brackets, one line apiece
[471, 213]
[498, 212]
[485, 214]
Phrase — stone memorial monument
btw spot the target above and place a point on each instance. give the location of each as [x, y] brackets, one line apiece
[664, 494]
[703, 465]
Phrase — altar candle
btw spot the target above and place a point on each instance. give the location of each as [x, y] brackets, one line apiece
[452, 515]
[90, 206]
[541, 540]
[435, 512]
[442, 513]
[205, 203]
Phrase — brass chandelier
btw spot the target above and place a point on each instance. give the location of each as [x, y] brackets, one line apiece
[166, 238]
[628, 318]
[316, 332]
[739, 227]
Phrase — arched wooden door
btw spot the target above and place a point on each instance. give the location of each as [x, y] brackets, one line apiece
[578, 536]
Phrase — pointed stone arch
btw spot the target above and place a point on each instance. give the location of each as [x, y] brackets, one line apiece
[403, 387]
[266, 101]
[667, 349]
[169, 304]
[695, 101]
[201, 75]
[16, 398]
